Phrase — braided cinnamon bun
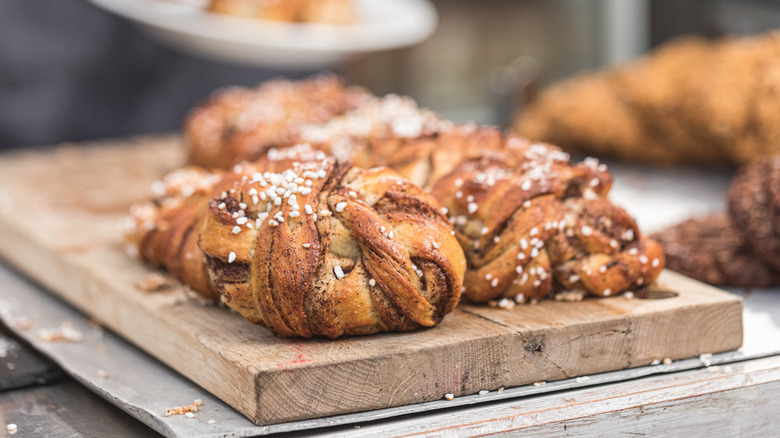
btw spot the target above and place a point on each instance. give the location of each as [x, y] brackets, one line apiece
[530, 222]
[310, 246]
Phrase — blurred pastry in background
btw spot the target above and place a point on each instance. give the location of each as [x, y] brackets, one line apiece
[754, 204]
[297, 11]
[741, 248]
[712, 250]
[691, 101]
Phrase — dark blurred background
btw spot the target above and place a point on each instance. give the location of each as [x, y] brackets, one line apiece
[70, 71]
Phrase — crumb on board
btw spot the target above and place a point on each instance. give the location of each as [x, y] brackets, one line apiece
[706, 359]
[449, 396]
[540, 383]
[582, 379]
[11, 427]
[655, 362]
[65, 332]
[211, 421]
[102, 374]
[570, 296]
[501, 389]
[185, 410]
[154, 282]
[483, 392]
[667, 361]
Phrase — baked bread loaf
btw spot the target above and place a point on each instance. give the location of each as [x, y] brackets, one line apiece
[690, 101]
[309, 246]
[302, 11]
[712, 250]
[239, 123]
[754, 205]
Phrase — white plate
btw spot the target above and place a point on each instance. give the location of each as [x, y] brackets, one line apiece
[184, 25]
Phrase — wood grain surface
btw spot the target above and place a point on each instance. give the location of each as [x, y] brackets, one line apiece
[61, 214]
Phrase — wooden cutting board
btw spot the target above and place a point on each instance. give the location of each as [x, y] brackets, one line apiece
[61, 213]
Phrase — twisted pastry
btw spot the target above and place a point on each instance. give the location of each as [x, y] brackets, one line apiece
[529, 222]
[309, 246]
[238, 123]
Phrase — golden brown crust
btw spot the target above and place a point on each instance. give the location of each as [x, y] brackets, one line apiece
[309, 246]
[531, 224]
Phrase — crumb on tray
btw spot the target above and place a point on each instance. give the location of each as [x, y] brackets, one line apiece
[66, 332]
[186, 410]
